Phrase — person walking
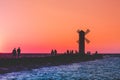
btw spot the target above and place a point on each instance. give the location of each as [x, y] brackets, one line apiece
[18, 52]
[14, 52]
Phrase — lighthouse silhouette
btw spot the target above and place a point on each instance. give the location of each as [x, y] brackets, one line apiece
[81, 41]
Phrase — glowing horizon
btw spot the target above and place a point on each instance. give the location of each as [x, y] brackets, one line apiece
[39, 26]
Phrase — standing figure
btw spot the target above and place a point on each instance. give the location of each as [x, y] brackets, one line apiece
[52, 52]
[14, 52]
[18, 51]
[96, 52]
[76, 52]
[72, 52]
[55, 52]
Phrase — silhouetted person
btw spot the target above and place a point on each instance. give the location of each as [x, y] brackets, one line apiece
[19, 51]
[88, 52]
[55, 52]
[96, 52]
[14, 52]
[52, 52]
[76, 52]
[67, 51]
[71, 52]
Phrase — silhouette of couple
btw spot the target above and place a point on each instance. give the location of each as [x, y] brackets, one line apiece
[16, 52]
[54, 52]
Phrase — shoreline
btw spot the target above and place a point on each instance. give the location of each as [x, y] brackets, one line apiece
[21, 64]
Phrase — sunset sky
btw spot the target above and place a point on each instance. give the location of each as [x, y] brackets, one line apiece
[42, 25]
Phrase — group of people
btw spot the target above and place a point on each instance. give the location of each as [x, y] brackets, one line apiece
[71, 52]
[53, 52]
[16, 52]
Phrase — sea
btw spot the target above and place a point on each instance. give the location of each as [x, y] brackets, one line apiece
[107, 68]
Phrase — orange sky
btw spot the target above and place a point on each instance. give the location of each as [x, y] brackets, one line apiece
[42, 25]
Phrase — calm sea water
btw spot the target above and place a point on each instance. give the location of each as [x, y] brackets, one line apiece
[104, 69]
